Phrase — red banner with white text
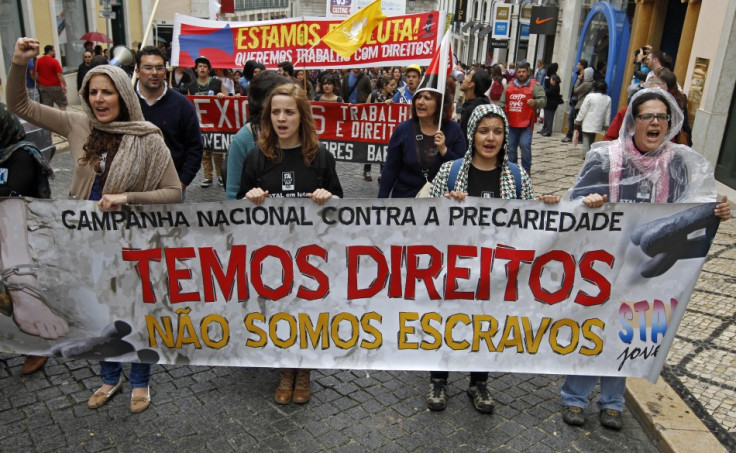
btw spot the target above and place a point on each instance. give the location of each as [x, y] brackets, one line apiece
[398, 41]
[352, 132]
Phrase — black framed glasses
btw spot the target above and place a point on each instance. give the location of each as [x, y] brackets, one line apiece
[649, 117]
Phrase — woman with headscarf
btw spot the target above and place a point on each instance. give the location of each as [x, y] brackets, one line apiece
[119, 159]
[486, 172]
[642, 166]
[24, 172]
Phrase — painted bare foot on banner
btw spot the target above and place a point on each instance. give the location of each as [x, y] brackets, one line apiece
[108, 345]
[19, 291]
[30, 312]
[687, 234]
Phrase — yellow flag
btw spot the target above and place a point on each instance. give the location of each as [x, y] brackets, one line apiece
[350, 35]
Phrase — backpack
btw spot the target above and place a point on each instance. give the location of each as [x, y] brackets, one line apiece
[455, 169]
[496, 91]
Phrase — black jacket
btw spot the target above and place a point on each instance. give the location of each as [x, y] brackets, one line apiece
[174, 114]
[468, 108]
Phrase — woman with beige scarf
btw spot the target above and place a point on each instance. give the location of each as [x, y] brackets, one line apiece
[120, 159]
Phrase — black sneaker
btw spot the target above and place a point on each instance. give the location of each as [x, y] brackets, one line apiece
[220, 181]
[566, 140]
[611, 419]
[481, 397]
[437, 396]
[573, 415]
[206, 183]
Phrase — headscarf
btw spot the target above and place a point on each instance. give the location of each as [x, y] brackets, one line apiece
[692, 176]
[142, 156]
[12, 137]
[655, 164]
[11, 131]
[480, 112]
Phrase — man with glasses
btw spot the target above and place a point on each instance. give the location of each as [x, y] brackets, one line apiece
[172, 112]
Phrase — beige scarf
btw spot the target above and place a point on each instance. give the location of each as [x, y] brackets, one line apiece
[142, 156]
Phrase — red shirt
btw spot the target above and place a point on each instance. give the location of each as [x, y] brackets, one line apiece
[48, 69]
[518, 111]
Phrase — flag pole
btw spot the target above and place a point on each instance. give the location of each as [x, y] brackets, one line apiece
[148, 32]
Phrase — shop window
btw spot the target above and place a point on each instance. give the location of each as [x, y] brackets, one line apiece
[71, 25]
[595, 41]
[11, 27]
[726, 165]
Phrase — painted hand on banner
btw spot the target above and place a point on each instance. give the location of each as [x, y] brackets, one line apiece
[107, 345]
[687, 234]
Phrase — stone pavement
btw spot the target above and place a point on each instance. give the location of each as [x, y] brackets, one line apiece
[232, 409]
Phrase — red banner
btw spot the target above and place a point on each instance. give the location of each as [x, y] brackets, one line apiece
[352, 132]
[398, 41]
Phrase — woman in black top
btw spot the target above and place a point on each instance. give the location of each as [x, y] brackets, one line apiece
[289, 162]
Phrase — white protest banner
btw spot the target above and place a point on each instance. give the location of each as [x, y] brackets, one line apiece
[430, 284]
[397, 41]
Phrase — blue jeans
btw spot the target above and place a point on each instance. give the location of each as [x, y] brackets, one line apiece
[521, 137]
[576, 391]
[140, 373]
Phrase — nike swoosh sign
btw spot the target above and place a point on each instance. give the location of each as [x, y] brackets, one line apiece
[540, 22]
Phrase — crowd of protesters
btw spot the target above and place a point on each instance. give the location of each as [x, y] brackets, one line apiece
[121, 158]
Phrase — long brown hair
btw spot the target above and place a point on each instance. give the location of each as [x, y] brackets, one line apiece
[269, 140]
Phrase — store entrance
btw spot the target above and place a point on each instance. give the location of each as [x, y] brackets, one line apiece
[726, 165]
[605, 39]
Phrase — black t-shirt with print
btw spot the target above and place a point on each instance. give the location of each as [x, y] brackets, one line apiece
[290, 177]
[484, 184]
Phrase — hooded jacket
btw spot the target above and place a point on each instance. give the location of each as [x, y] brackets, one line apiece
[77, 126]
[508, 184]
[670, 174]
[584, 86]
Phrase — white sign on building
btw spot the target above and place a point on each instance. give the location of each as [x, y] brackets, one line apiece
[341, 9]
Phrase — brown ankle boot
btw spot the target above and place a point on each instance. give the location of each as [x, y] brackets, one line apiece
[32, 364]
[301, 386]
[286, 386]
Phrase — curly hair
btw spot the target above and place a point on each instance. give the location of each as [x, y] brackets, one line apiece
[269, 140]
[98, 143]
